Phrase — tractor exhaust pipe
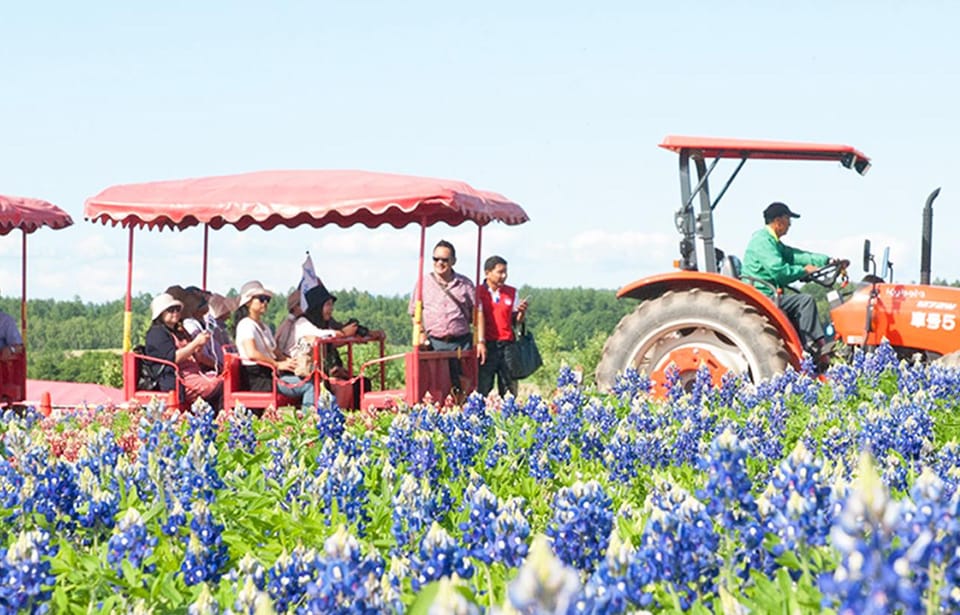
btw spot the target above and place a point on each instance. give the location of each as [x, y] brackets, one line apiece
[926, 246]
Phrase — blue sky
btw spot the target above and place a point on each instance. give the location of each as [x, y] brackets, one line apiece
[558, 105]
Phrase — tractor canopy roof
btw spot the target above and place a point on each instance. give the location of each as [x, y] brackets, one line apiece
[711, 147]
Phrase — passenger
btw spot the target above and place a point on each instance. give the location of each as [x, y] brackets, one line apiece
[501, 311]
[10, 340]
[255, 342]
[318, 322]
[167, 340]
[216, 323]
[195, 307]
[448, 303]
[286, 339]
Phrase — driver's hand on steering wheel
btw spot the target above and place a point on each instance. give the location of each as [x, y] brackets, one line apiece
[842, 263]
[810, 268]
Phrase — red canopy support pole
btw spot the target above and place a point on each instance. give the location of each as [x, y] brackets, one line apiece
[23, 288]
[477, 322]
[128, 304]
[206, 244]
[418, 292]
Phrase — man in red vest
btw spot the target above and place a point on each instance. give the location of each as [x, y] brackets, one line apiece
[501, 310]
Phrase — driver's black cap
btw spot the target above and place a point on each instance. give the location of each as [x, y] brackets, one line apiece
[775, 210]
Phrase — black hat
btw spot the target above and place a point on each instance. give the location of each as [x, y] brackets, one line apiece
[317, 296]
[776, 210]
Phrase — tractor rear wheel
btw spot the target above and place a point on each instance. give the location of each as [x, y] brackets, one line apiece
[691, 328]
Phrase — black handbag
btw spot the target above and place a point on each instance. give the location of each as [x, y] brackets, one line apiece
[522, 356]
[146, 378]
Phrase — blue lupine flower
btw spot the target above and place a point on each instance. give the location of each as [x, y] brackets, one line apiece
[344, 582]
[494, 533]
[176, 518]
[25, 578]
[201, 420]
[874, 575]
[581, 523]
[537, 409]
[508, 407]
[599, 419]
[797, 505]
[100, 453]
[678, 547]
[54, 487]
[416, 505]
[242, 436]
[198, 474]
[206, 555]
[568, 377]
[289, 575]
[629, 383]
[330, 419]
[424, 458]
[464, 436]
[728, 492]
[130, 542]
[609, 590]
[439, 556]
[95, 506]
[497, 450]
[11, 485]
[343, 482]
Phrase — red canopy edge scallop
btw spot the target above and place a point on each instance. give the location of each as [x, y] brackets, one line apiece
[300, 197]
[27, 214]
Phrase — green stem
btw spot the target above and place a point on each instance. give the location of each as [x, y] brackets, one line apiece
[491, 602]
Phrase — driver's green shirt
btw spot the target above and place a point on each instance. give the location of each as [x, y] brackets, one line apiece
[769, 259]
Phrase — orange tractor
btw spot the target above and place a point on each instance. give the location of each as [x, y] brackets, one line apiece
[706, 315]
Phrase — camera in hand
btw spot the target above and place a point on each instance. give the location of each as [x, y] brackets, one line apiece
[361, 330]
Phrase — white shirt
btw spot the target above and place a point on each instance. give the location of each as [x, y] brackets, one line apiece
[262, 336]
[303, 328]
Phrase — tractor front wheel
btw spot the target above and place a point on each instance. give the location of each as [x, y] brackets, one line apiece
[691, 329]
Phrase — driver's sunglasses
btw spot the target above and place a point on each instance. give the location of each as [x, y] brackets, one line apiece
[440, 259]
[263, 298]
[173, 309]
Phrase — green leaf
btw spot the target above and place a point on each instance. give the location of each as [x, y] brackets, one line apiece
[421, 605]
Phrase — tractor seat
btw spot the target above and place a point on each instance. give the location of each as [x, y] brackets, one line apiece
[731, 266]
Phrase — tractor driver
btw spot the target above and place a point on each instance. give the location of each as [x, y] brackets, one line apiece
[773, 265]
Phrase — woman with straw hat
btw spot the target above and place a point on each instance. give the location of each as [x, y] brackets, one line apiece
[259, 356]
[167, 340]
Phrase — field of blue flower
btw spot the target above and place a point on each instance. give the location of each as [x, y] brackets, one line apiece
[794, 496]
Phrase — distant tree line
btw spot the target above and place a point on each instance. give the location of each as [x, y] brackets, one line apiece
[80, 341]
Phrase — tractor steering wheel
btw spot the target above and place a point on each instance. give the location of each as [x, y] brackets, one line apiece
[828, 275]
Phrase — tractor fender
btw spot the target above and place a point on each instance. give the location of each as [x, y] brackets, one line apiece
[656, 285]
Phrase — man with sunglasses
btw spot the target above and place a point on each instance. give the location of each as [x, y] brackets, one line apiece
[448, 303]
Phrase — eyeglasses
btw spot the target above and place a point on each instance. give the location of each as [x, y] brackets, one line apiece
[173, 309]
[263, 298]
[440, 259]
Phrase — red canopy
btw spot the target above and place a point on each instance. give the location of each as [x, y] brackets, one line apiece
[771, 150]
[271, 198]
[18, 212]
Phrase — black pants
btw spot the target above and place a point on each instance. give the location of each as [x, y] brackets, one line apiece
[496, 365]
[802, 311]
[457, 342]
